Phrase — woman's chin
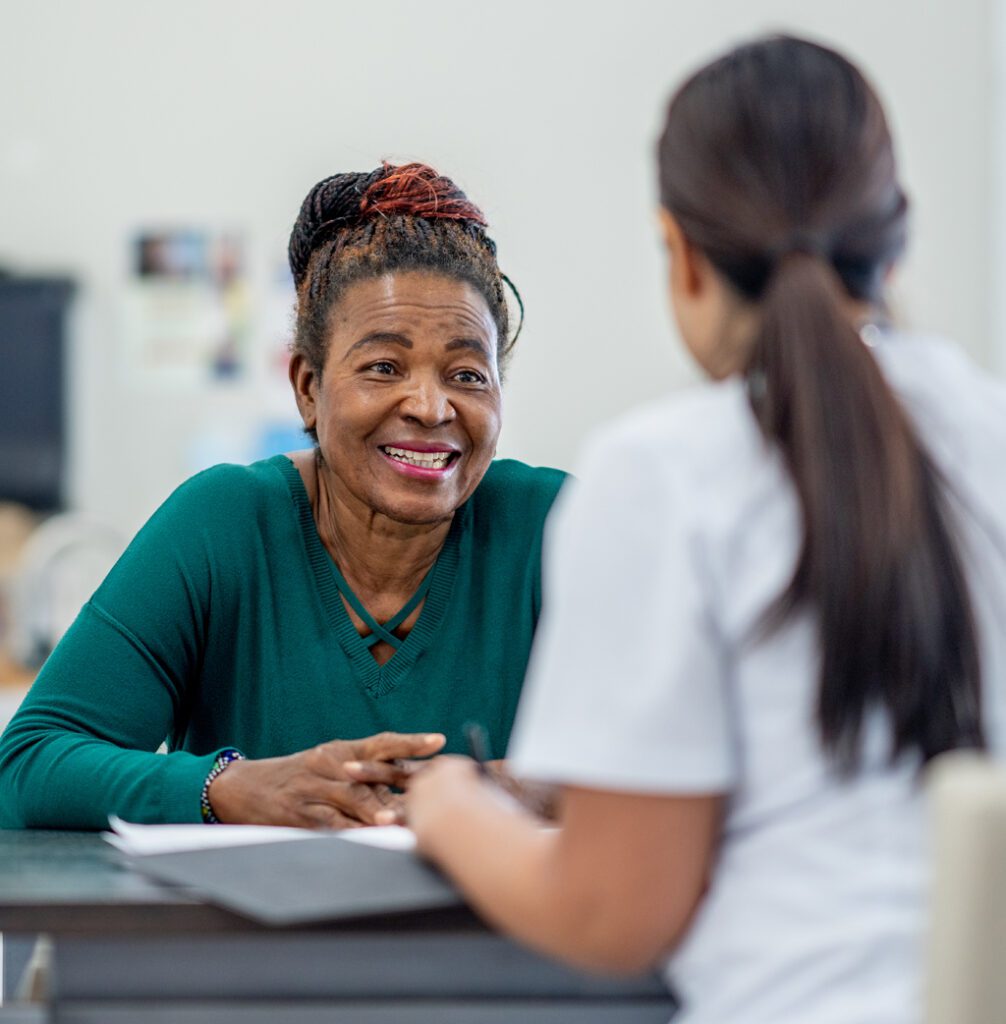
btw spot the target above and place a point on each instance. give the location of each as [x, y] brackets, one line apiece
[416, 510]
[421, 497]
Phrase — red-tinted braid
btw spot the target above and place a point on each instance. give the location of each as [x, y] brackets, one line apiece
[417, 190]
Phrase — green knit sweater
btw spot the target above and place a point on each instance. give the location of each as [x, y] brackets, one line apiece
[221, 626]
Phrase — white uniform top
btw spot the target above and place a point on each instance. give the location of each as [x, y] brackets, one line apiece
[683, 529]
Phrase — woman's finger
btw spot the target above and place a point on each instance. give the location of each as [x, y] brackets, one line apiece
[387, 797]
[355, 800]
[391, 816]
[386, 773]
[358, 800]
[321, 815]
[446, 771]
[388, 746]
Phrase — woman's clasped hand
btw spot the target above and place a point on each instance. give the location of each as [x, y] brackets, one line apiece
[339, 784]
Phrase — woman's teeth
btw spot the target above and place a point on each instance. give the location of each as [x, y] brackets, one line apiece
[425, 460]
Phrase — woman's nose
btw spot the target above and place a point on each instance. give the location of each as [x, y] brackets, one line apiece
[426, 402]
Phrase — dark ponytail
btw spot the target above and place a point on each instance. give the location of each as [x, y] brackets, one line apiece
[806, 217]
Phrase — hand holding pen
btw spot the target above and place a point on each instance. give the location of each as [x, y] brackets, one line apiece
[538, 797]
[478, 750]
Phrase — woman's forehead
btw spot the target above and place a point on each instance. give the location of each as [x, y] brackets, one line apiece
[412, 300]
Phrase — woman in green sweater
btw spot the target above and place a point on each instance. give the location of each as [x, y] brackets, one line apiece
[385, 585]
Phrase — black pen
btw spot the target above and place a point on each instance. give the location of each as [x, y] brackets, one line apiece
[478, 746]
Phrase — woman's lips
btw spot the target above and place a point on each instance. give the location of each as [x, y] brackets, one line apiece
[424, 462]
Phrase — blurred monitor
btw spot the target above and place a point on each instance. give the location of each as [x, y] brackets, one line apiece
[33, 390]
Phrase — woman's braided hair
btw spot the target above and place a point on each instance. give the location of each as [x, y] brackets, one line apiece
[355, 226]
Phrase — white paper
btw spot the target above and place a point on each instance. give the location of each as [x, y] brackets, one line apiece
[387, 837]
[143, 839]
[138, 840]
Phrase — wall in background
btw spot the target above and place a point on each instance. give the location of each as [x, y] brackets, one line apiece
[118, 115]
[997, 199]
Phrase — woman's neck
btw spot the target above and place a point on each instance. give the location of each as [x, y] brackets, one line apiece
[376, 554]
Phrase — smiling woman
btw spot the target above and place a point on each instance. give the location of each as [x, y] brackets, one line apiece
[410, 392]
[383, 585]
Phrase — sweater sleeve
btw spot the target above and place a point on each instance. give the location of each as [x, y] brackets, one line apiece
[83, 744]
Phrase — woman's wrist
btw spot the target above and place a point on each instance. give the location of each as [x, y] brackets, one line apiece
[223, 761]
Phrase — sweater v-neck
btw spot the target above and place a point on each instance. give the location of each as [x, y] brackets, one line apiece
[376, 679]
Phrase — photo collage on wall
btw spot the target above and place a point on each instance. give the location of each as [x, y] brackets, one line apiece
[187, 308]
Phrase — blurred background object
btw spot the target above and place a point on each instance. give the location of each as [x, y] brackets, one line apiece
[51, 560]
[16, 526]
[33, 390]
[58, 567]
[965, 979]
[157, 157]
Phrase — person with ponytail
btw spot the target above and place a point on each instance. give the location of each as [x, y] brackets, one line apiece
[300, 630]
[770, 601]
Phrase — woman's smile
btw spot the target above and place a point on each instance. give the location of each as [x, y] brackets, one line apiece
[407, 409]
[421, 461]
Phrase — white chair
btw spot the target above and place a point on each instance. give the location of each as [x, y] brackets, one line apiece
[966, 957]
[57, 570]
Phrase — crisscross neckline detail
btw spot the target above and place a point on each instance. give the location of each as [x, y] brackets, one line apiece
[377, 679]
[379, 632]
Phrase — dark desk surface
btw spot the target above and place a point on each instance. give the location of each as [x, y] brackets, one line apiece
[130, 951]
[67, 883]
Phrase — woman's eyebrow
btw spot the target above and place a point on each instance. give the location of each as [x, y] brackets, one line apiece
[472, 343]
[377, 338]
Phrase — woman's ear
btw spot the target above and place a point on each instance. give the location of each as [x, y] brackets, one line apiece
[304, 381]
[687, 265]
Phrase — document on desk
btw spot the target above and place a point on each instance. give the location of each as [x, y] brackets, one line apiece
[140, 840]
[290, 876]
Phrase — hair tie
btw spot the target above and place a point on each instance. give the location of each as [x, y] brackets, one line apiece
[805, 243]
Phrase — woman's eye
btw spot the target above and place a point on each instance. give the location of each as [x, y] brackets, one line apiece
[382, 367]
[469, 377]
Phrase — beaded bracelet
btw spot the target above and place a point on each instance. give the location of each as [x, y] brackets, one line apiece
[223, 760]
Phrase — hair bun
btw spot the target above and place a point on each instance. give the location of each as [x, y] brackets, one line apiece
[332, 205]
[344, 201]
[417, 190]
